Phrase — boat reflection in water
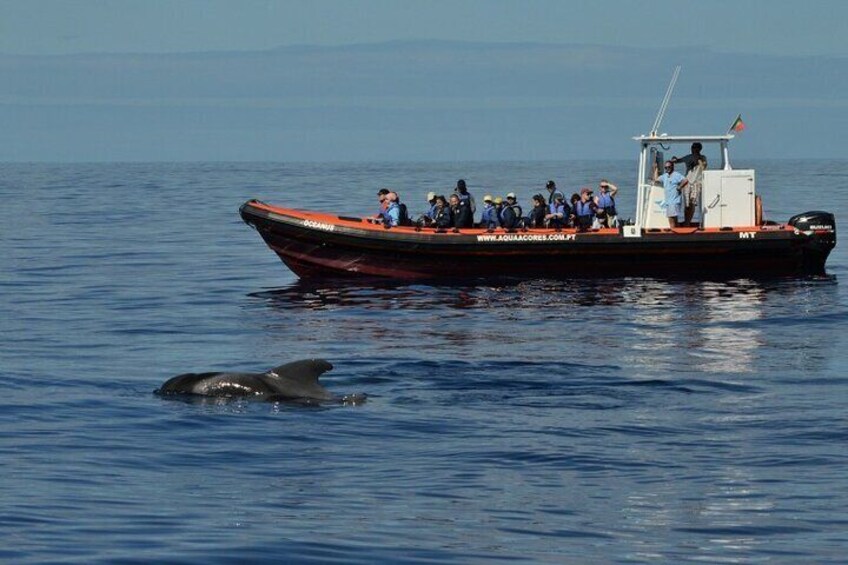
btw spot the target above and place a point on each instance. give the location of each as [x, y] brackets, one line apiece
[655, 326]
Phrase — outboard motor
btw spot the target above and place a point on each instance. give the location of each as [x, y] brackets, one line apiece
[819, 223]
[820, 227]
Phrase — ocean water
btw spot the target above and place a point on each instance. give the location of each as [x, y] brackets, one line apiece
[625, 420]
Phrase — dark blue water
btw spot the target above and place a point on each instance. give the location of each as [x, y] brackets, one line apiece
[630, 420]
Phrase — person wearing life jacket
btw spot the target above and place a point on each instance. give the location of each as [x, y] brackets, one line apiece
[489, 219]
[460, 213]
[431, 199]
[558, 211]
[465, 196]
[382, 198]
[403, 211]
[510, 214]
[426, 219]
[499, 206]
[550, 186]
[605, 200]
[584, 210]
[392, 213]
[572, 211]
[442, 219]
[536, 218]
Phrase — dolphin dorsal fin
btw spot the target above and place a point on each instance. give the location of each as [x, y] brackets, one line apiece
[305, 371]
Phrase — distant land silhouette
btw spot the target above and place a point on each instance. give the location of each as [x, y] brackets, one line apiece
[411, 100]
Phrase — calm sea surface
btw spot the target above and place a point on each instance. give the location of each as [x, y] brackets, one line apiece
[628, 420]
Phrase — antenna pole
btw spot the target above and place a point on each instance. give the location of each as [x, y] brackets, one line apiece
[664, 105]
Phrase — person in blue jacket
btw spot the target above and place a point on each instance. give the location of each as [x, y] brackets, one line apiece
[426, 219]
[558, 211]
[431, 200]
[607, 214]
[391, 215]
[489, 219]
[499, 206]
[382, 198]
[584, 210]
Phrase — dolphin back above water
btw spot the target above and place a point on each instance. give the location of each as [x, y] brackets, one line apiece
[294, 382]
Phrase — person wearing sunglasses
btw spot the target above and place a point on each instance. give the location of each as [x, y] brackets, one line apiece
[673, 182]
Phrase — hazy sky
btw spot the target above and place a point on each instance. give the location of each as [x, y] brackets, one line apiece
[814, 27]
[107, 80]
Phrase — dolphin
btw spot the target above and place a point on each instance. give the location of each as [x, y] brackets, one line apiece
[293, 382]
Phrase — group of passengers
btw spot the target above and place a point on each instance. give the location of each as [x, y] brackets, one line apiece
[582, 211]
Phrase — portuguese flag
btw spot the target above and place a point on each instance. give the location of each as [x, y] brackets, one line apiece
[737, 125]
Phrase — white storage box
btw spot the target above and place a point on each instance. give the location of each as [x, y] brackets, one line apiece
[727, 198]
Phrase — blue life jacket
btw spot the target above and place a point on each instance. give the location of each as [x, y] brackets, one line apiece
[555, 208]
[507, 217]
[490, 217]
[391, 215]
[582, 209]
[607, 203]
[510, 216]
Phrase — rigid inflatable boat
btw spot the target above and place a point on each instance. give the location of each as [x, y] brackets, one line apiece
[730, 238]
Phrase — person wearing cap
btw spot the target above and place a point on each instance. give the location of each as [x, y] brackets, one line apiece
[489, 219]
[426, 219]
[584, 210]
[510, 214]
[672, 182]
[558, 211]
[462, 191]
[550, 186]
[605, 200]
[431, 200]
[499, 206]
